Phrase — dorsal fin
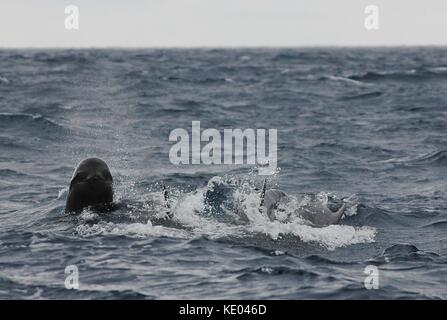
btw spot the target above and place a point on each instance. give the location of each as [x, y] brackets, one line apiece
[165, 192]
[340, 212]
[264, 187]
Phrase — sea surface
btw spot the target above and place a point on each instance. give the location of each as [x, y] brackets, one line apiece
[367, 125]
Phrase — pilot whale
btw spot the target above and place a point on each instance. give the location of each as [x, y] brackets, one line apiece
[316, 212]
[90, 186]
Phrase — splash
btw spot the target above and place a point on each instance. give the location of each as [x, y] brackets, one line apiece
[227, 207]
[136, 230]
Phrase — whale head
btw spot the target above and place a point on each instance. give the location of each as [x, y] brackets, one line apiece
[90, 186]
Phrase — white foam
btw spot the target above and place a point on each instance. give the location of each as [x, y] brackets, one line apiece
[4, 80]
[347, 80]
[137, 230]
[438, 70]
[188, 208]
[330, 237]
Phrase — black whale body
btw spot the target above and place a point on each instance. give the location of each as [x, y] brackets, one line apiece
[90, 186]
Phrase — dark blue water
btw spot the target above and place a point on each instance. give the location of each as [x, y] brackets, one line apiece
[367, 124]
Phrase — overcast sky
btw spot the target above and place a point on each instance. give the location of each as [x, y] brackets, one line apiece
[186, 23]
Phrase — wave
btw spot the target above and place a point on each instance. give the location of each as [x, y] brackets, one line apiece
[25, 117]
[31, 123]
[404, 252]
[202, 81]
[11, 173]
[317, 259]
[404, 75]
[9, 143]
[344, 79]
[437, 224]
[287, 56]
[275, 270]
[372, 76]
[362, 96]
[4, 80]
[434, 157]
[438, 70]
[400, 250]
[74, 57]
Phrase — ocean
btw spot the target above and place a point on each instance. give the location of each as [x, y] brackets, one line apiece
[367, 125]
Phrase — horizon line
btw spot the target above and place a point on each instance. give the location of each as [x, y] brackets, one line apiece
[337, 46]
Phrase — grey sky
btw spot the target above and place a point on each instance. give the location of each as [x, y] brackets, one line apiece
[180, 23]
